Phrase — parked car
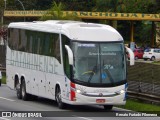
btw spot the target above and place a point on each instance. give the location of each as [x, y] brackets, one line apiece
[152, 54]
[138, 54]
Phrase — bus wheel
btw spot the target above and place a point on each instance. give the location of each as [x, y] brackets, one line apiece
[61, 105]
[108, 107]
[23, 90]
[19, 91]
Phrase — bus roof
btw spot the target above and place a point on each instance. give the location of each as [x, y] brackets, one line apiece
[75, 30]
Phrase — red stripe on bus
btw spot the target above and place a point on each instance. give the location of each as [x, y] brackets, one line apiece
[73, 93]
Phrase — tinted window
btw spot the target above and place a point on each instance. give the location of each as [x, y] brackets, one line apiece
[147, 50]
[42, 43]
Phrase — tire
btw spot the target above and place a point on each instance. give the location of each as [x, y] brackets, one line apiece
[108, 107]
[136, 57]
[145, 59]
[19, 91]
[153, 58]
[23, 91]
[61, 105]
[0, 82]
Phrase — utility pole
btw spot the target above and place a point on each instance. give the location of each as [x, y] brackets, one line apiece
[23, 9]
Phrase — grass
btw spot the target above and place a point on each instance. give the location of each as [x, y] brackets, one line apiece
[156, 62]
[138, 106]
[3, 79]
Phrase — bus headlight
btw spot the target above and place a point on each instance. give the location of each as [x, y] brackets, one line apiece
[122, 91]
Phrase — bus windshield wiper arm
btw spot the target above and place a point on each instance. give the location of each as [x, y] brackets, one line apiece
[94, 70]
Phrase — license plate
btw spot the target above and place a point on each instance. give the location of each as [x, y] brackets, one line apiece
[100, 100]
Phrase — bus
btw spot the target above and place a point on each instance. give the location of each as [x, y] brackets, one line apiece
[71, 62]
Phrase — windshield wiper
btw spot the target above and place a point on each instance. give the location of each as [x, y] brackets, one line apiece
[94, 71]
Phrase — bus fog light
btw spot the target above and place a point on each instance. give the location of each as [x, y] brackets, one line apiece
[78, 91]
[122, 91]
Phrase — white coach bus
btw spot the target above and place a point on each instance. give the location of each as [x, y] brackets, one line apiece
[71, 62]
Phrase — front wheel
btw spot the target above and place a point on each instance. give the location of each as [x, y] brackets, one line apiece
[153, 58]
[108, 107]
[136, 57]
[61, 105]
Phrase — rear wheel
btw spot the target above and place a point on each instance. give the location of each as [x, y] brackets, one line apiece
[145, 59]
[108, 107]
[61, 105]
[153, 58]
[18, 90]
[23, 91]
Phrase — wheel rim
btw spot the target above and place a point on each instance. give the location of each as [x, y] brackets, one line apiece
[23, 91]
[58, 97]
[136, 58]
[153, 58]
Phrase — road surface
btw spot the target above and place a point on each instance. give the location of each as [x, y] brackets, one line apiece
[49, 111]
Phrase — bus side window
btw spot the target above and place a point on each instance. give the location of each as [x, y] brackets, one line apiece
[57, 47]
[41, 37]
[28, 40]
[51, 45]
[22, 40]
[31, 42]
[15, 40]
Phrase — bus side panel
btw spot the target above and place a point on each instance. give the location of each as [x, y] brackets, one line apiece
[9, 69]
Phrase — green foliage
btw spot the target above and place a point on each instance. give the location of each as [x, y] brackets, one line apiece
[140, 6]
[110, 5]
[56, 13]
[141, 106]
[3, 79]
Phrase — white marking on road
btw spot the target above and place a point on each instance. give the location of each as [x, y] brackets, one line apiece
[4, 118]
[82, 117]
[7, 99]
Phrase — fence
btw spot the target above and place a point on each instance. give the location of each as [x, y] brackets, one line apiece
[144, 79]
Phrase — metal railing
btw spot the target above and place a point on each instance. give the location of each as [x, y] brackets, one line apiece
[144, 82]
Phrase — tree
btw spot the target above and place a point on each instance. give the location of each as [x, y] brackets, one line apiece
[56, 13]
[141, 6]
[1, 11]
[111, 6]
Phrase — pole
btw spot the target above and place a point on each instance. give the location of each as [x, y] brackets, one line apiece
[132, 31]
[2, 19]
[153, 34]
[23, 9]
[5, 4]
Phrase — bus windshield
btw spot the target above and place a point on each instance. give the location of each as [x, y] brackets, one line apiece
[99, 64]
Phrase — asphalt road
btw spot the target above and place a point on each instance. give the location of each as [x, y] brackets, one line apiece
[49, 110]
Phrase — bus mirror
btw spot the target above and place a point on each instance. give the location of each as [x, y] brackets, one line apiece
[70, 54]
[131, 54]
